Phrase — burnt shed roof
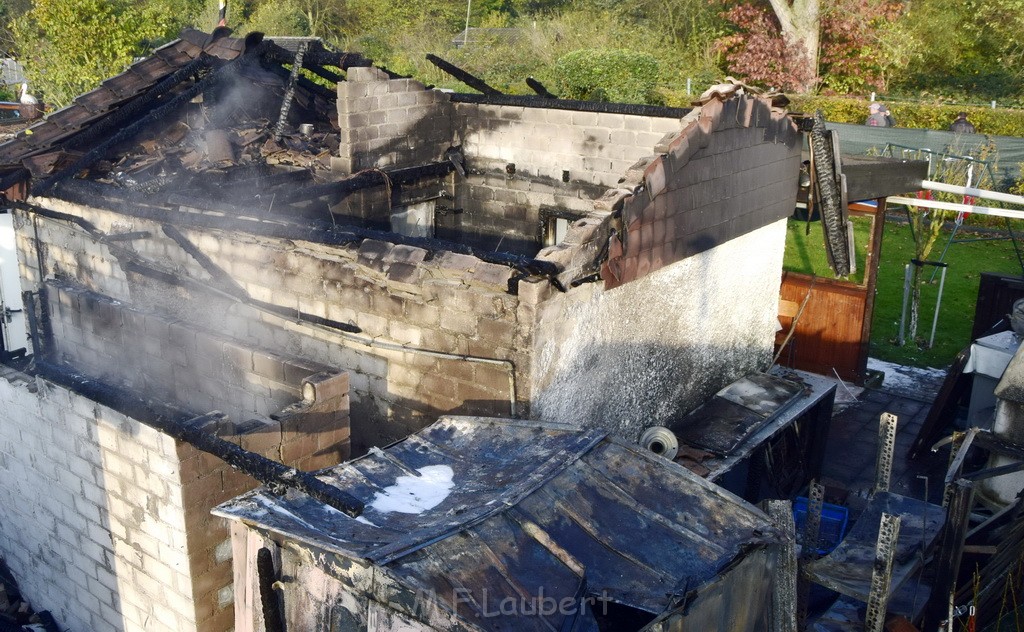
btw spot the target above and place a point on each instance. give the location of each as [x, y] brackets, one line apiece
[149, 94]
[542, 504]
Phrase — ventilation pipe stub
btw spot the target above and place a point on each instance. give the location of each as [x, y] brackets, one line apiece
[661, 441]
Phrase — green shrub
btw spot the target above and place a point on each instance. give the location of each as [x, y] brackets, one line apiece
[620, 76]
[998, 122]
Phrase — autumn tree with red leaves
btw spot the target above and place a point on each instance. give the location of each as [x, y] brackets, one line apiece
[801, 46]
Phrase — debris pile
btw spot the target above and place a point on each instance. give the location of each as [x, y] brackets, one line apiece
[16, 614]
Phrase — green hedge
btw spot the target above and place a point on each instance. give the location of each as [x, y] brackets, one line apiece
[999, 122]
[598, 74]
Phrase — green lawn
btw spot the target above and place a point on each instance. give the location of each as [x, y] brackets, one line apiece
[966, 263]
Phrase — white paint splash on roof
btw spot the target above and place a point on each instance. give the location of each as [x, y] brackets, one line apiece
[416, 494]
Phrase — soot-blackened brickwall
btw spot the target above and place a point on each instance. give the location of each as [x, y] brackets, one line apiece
[452, 304]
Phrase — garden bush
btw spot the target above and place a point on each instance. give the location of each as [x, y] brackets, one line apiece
[616, 75]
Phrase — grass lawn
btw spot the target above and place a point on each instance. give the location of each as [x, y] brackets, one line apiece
[966, 263]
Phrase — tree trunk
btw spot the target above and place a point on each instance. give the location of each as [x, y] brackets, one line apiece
[801, 30]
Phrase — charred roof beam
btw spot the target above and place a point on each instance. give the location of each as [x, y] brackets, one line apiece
[130, 130]
[368, 178]
[539, 88]
[116, 120]
[342, 60]
[470, 80]
[530, 101]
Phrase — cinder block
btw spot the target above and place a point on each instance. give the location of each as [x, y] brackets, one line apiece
[324, 387]
[365, 73]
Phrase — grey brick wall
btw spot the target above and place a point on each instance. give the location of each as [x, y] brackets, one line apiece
[397, 295]
[93, 524]
[389, 122]
[107, 521]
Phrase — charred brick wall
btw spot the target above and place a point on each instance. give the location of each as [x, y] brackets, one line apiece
[690, 291]
[523, 163]
[419, 313]
[389, 122]
[172, 360]
[528, 163]
[730, 169]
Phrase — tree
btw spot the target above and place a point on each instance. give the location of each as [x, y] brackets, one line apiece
[804, 46]
[800, 23]
[966, 48]
[69, 46]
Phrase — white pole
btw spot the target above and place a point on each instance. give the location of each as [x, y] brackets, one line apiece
[465, 36]
[952, 206]
[872, 97]
[978, 193]
[993, 105]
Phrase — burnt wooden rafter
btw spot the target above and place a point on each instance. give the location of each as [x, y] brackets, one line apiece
[470, 80]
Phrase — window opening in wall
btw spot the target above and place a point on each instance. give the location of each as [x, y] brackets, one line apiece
[555, 225]
[414, 220]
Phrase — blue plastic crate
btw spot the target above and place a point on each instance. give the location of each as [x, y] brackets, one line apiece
[833, 524]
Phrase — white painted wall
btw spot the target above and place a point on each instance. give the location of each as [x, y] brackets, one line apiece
[14, 331]
[650, 350]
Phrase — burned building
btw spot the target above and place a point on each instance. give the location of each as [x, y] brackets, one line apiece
[332, 268]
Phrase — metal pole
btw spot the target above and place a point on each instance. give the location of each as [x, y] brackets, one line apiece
[956, 206]
[688, 87]
[465, 34]
[938, 303]
[906, 295]
[881, 575]
[972, 191]
[886, 447]
[952, 236]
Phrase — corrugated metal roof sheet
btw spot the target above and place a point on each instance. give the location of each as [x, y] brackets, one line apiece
[531, 505]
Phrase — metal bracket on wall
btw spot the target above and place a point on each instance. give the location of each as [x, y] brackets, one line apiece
[881, 576]
[784, 599]
[886, 447]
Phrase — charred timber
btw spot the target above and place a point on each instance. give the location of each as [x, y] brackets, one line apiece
[195, 431]
[321, 57]
[135, 127]
[369, 178]
[272, 619]
[289, 93]
[13, 178]
[311, 230]
[320, 71]
[215, 271]
[529, 101]
[105, 126]
[539, 88]
[470, 80]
